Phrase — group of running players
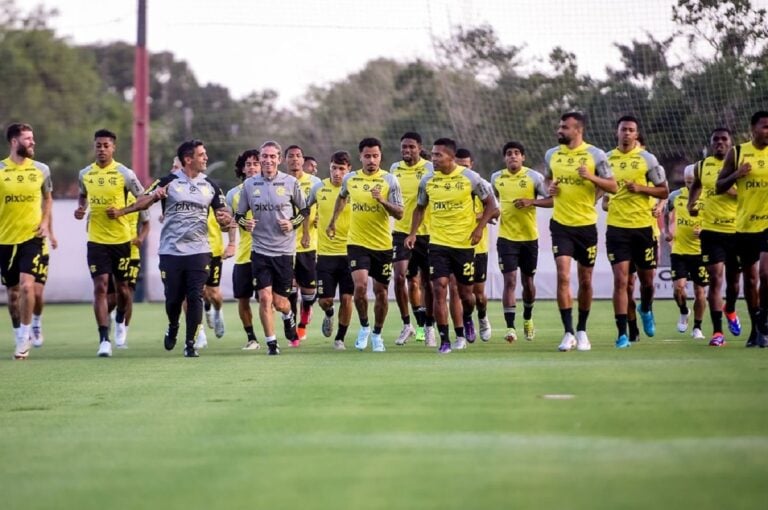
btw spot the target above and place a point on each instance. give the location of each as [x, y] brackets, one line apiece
[297, 239]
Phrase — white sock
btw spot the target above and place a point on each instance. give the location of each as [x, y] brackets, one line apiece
[24, 331]
[272, 338]
[287, 316]
[37, 321]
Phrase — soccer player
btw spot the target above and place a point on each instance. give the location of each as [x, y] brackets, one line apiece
[719, 246]
[455, 231]
[246, 166]
[519, 191]
[25, 209]
[412, 265]
[310, 165]
[333, 268]
[629, 237]
[578, 172]
[746, 165]
[41, 276]
[374, 195]
[105, 184]
[278, 207]
[683, 232]
[185, 254]
[305, 267]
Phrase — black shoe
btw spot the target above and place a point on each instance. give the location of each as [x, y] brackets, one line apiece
[190, 352]
[753, 340]
[762, 341]
[170, 338]
[274, 350]
[289, 327]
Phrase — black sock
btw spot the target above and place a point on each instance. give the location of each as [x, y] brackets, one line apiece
[482, 313]
[527, 310]
[120, 316]
[206, 307]
[621, 323]
[103, 334]
[443, 331]
[717, 320]
[582, 324]
[730, 304]
[406, 319]
[250, 334]
[364, 322]
[293, 299]
[329, 312]
[459, 332]
[754, 315]
[509, 316]
[16, 322]
[566, 316]
[421, 316]
[429, 322]
[634, 331]
[696, 324]
[645, 307]
[467, 318]
[377, 330]
[342, 332]
[683, 307]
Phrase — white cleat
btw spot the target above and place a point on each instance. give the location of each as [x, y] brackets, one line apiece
[568, 343]
[338, 345]
[697, 334]
[252, 345]
[407, 332]
[121, 335]
[430, 339]
[485, 329]
[105, 349]
[22, 349]
[362, 338]
[218, 324]
[459, 344]
[582, 341]
[209, 317]
[37, 336]
[682, 322]
[201, 342]
[377, 343]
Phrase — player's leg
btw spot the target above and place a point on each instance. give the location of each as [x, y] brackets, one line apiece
[481, 300]
[400, 262]
[243, 290]
[381, 273]
[171, 273]
[529, 260]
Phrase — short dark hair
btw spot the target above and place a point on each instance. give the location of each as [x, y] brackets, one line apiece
[577, 116]
[368, 142]
[105, 133]
[241, 159]
[341, 158]
[187, 149]
[446, 142]
[513, 145]
[463, 153]
[16, 129]
[762, 114]
[411, 135]
[628, 118]
[310, 158]
[721, 129]
[290, 147]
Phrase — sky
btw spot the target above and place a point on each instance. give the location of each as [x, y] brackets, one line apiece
[288, 45]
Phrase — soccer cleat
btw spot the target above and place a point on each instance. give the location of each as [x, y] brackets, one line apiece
[762, 341]
[306, 315]
[444, 348]
[170, 338]
[362, 338]
[338, 345]
[327, 326]
[697, 334]
[22, 349]
[752, 341]
[421, 334]
[529, 330]
[623, 342]
[105, 349]
[460, 343]
[567, 343]
[649, 324]
[252, 345]
[430, 340]
[405, 333]
[201, 342]
[209, 317]
[301, 332]
[582, 341]
[734, 324]
[289, 328]
[485, 329]
[469, 330]
[295, 343]
[377, 343]
[121, 335]
[717, 340]
[682, 322]
[272, 348]
[190, 352]
[37, 336]
[511, 335]
[218, 324]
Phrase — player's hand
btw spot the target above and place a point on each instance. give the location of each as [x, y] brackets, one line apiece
[331, 231]
[285, 225]
[249, 224]
[743, 170]
[229, 252]
[80, 213]
[477, 234]
[632, 187]
[160, 193]
[522, 203]
[136, 241]
[42, 230]
[54, 242]
[113, 213]
[669, 237]
[223, 217]
[656, 211]
[553, 188]
[697, 231]
[376, 194]
[410, 242]
[693, 210]
[583, 172]
[305, 240]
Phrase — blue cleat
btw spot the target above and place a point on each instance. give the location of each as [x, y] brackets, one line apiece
[623, 342]
[734, 324]
[649, 324]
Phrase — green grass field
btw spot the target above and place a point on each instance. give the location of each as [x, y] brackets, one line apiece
[668, 423]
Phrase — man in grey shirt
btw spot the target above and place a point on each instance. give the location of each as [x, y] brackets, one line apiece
[278, 207]
[185, 253]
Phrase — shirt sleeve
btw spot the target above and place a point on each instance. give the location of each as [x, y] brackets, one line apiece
[602, 168]
[344, 192]
[299, 200]
[312, 198]
[422, 198]
[538, 184]
[159, 183]
[656, 173]
[218, 201]
[395, 195]
[132, 183]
